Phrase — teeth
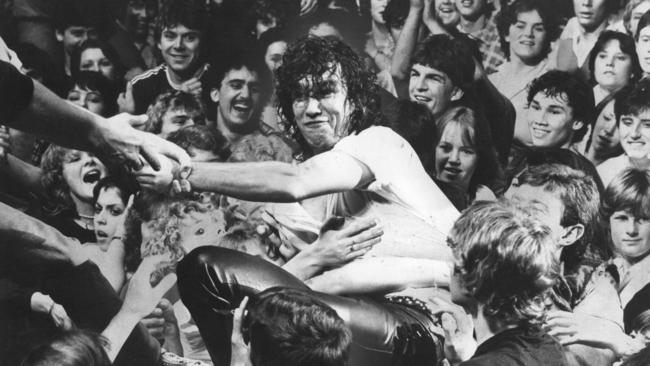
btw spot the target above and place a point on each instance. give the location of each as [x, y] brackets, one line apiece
[92, 176]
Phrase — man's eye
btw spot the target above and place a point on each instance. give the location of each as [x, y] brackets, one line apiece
[200, 232]
[98, 209]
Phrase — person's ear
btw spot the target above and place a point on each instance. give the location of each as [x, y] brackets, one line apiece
[59, 35]
[456, 94]
[571, 234]
[214, 95]
[577, 124]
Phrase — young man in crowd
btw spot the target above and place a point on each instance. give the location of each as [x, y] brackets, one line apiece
[181, 37]
[560, 106]
[476, 20]
[507, 315]
[443, 74]
[587, 316]
[277, 337]
[173, 110]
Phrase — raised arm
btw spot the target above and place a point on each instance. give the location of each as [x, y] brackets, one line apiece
[407, 41]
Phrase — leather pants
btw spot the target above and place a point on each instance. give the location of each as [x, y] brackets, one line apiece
[213, 281]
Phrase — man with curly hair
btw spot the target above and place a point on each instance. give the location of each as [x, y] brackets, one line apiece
[350, 166]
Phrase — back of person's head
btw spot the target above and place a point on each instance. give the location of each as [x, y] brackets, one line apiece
[188, 13]
[493, 241]
[637, 101]
[570, 88]
[627, 46]
[416, 125]
[509, 16]
[203, 138]
[289, 327]
[451, 55]
[71, 348]
[172, 100]
[580, 197]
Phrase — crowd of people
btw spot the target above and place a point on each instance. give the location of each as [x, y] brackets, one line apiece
[325, 182]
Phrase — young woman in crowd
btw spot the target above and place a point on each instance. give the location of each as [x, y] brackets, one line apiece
[526, 28]
[92, 91]
[613, 63]
[626, 207]
[604, 142]
[99, 56]
[464, 153]
[68, 179]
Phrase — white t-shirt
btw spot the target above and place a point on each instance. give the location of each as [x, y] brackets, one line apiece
[415, 215]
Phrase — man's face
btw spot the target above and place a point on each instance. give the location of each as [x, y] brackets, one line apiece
[180, 48]
[73, 36]
[273, 55]
[239, 98]
[546, 206]
[445, 11]
[550, 120]
[323, 114]
[136, 19]
[471, 9]
[173, 120]
[634, 131]
[590, 13]
[432, 88]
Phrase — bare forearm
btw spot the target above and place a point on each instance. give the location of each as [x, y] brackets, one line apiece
[117, 332]
[52, 118]
[304, 266]
[406, 44]
[382, 275]
[261, 182]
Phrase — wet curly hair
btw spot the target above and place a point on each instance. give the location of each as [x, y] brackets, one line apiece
[311, 58]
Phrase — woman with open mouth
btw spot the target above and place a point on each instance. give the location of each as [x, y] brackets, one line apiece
[68, 179]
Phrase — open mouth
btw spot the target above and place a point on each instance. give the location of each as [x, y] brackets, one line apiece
[242, 107]
[539, 133]
[101, 234]
[92, 176]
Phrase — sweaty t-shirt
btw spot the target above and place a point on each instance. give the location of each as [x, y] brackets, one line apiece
[414, 213]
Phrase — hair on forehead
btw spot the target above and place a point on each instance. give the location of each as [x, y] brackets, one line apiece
[628, 191]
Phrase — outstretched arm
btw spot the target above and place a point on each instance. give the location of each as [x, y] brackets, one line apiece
[407, 41]
[30, 107]
[325, 173]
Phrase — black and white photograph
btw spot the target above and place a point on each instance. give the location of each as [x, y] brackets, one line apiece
[324, 182]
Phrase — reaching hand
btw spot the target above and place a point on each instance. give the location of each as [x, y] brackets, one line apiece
[118, 142]
[192, 86]
[338, 245]
[161, 322]
[571, 328]
[460, 344]
[241, 352]
[158, 180]
[125, 100]
[141, 298]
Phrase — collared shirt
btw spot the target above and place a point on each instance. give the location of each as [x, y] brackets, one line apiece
[581, 44]
[489, 45]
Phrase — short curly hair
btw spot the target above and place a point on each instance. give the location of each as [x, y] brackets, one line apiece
[451, 55]
[494, 241]
[508, 17]
[170, 100]
[313, 57]
[56, 189]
